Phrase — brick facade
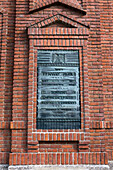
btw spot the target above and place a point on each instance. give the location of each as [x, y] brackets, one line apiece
[27, 26]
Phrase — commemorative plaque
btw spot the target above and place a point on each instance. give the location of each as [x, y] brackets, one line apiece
[58, 91]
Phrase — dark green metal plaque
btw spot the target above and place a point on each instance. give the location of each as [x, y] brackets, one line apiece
[58, 92]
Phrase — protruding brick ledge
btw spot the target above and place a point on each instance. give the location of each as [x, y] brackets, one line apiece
[12, 125]
[63, 136]
[82, 146]
[4, 125]
[108, 125]
[97, 125]
[4, 157]
[101, 125]
[18, 125]
[60, 31]
[58, 158]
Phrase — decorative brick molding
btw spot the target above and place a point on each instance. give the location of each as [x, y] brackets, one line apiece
[60, 42]
[17, 125]
[63, 18]
[57, 158]
[4, 125]
[4, 157]
[58, 17]
[97, 125]
[101, 125]
[108, 125]
[3, 53]
[64, 142]
[34, 4]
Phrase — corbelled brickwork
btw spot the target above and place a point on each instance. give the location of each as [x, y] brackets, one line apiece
[27, 26]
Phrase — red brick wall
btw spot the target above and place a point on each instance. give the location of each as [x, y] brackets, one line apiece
[107, 58]
[28, 27]
[0, 31]
[7, 20]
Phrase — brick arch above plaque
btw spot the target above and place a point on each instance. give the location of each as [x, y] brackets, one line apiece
[40, 4]
[74, 26]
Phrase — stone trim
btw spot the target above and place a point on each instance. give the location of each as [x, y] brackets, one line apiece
[76, 167]
[4, 167]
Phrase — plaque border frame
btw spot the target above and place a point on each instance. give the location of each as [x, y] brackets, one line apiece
[67, 41]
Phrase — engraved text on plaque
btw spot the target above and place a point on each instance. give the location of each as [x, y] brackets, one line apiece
[58, 96]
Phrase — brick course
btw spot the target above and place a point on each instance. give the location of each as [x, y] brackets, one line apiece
[29, 26]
